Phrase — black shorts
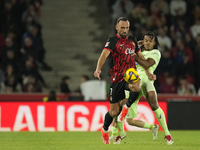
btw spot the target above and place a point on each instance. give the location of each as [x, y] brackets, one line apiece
[117, 92]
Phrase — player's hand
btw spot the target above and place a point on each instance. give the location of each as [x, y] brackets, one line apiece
[152, 76]
[140, 43]
[97, 74]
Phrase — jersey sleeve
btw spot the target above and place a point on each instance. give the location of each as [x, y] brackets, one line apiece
[155, 54]
[110, 44]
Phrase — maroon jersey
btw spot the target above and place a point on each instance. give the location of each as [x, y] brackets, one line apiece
[122, 54]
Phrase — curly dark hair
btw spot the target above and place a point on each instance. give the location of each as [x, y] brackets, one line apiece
[153, 36]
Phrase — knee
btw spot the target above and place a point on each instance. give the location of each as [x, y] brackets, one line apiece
[128, 120]
[152, 101]
[114, 113]
[154, 107]
[135, 87]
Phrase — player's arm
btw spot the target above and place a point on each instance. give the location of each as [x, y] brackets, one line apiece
[105, 53]
[140, 55]
[150, 76]
[145, 63]
[141, 60]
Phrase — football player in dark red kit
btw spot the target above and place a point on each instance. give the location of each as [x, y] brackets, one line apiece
[122, 49]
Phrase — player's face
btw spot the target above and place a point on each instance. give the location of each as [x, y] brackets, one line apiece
[149, 42]
[122, 28]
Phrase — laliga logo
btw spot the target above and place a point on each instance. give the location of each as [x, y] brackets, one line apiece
[129, 51]
[143, 113]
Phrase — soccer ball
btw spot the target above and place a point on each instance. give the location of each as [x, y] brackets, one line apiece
[131, 75]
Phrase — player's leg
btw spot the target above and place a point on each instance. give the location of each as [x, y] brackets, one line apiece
[133, 95]
[114, 110]
[120, 125]
[122, 133]
[139, 123]
[118, 128]
[116, 93]
[115, 132]
[151, 97]
[132, 113]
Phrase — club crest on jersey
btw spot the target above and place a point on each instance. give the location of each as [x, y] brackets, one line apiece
[107, 43]
[129, 51]
[133, 43]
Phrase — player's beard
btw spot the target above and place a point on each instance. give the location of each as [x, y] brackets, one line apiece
[123, 35]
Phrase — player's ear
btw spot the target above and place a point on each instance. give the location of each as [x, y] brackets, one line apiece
[116, 27]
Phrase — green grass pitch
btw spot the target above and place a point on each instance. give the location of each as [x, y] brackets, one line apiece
[183, 140]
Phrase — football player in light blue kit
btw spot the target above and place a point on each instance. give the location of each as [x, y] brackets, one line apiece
[152, 55]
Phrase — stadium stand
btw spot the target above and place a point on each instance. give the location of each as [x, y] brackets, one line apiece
[73, 38]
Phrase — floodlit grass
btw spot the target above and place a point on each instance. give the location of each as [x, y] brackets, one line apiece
[183, 140]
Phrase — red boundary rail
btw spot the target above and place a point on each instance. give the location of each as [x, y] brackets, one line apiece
[65, 97]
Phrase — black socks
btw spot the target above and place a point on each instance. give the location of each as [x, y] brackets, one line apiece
[132, 98]
[107, 121]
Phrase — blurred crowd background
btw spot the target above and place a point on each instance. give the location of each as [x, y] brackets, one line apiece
[176, 23]
[21, 46]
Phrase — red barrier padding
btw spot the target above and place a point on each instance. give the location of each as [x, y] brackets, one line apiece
[65, 97]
